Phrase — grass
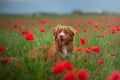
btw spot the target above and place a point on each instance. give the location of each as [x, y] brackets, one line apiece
[26, 69]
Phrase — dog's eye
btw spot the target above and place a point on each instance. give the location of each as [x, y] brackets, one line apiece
[59, 31]
[65, 32]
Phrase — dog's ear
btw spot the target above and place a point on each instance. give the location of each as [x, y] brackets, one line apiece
[73, 31]
[54, 31]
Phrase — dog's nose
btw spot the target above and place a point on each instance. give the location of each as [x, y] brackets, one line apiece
[61, 36]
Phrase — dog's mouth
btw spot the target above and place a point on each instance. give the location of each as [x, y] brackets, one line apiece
[61, 41]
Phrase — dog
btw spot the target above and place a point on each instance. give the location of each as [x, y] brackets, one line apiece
[63, 44]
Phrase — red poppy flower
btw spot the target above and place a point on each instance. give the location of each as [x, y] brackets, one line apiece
[78, 25]
[44, 22]
[79, 48]
[58, 68]
[2, 48]
[95, 25]
[68, 66]
[83, 41]
[69, 76]
[114, 30]
[85, 30]
[87, 50]
[89, 22]
[118, 28]
[42, 30]
[15, 28]
[25, 32]
[89, 36]
[5, 61]
[83, 75]
[29, 37]
[96, 49]
[101, 61]
[115, 76]
[113, 54]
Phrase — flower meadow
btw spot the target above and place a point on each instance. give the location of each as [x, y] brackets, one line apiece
[97, 43]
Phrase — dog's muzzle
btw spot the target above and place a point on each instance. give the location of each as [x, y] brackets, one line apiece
[61, 40]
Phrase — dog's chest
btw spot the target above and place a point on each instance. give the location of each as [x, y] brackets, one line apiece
[64, 50]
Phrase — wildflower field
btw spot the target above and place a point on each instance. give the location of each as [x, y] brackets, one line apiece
[97, 42]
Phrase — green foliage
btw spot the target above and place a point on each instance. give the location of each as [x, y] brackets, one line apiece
[16, 46]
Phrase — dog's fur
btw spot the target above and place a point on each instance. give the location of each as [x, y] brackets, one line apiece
[63, 44]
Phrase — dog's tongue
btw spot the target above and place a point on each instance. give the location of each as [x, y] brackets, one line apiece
[61, 42]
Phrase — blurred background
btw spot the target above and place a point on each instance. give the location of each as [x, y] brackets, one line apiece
[19, 7]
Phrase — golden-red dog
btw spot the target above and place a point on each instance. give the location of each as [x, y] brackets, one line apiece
[63, 44]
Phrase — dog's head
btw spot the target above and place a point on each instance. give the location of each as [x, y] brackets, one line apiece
[63, 35]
